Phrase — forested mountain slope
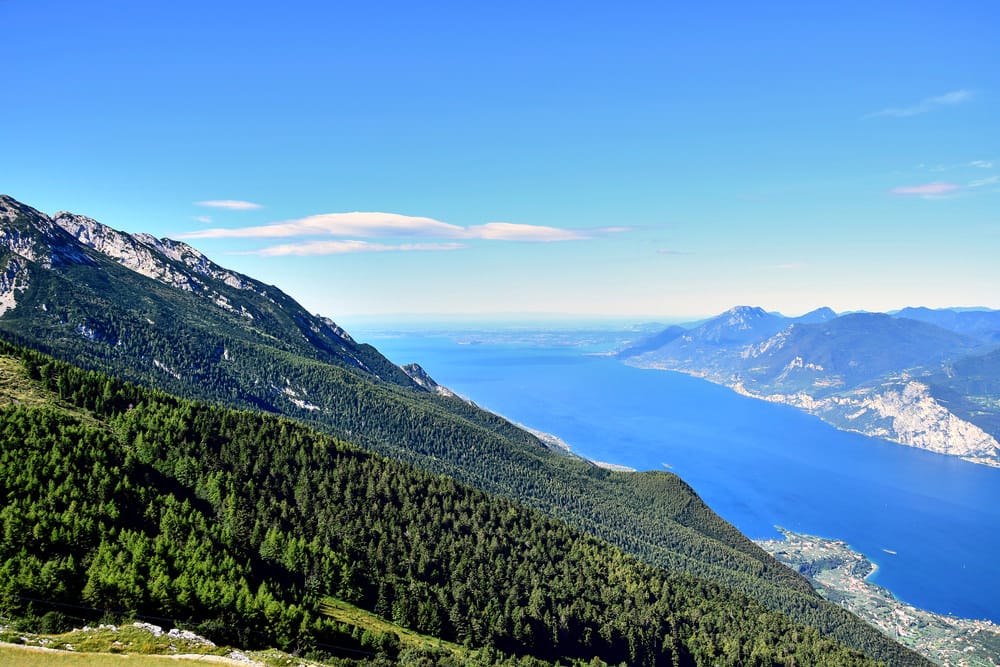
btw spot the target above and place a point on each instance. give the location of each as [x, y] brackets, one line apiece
[138, 321]
[120, 498]
[158, 308]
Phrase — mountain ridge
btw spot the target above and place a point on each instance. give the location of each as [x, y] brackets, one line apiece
[885, 375]
[266, 314]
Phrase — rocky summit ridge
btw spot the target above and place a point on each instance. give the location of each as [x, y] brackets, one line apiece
[48, 285]
[147, 255]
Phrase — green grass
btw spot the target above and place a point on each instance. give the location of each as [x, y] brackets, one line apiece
[16, 388]
[125, 639]
[123, 646]
[408, 639]
[28, 656]
[99, 646]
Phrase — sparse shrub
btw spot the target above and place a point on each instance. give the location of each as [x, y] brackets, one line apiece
[54, 623]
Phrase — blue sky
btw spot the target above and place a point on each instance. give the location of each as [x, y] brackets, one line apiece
[641, 159]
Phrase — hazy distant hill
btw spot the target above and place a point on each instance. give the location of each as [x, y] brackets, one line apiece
[969, 387]
[926, 378]
[978, 323]
[655, 342]
[848, 351]
[710, 345]
[159, 313]
[823, 314]
[718, 338]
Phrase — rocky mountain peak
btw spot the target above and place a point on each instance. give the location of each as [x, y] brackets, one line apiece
[422, 378]
[335, 328]
[14, 214]
[23, 241]
[823, 314]
[65, 238]
[10, 208]
[79, 226]
[28, 235]
[739, 324]
[743, 317]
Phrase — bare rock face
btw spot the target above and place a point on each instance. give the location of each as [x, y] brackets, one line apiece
[14, 278]
[902, 412]
[335, 329]
[422, 378]
[20, 245]
[125, 249]
[167, 261]
[171, 262]
[195, 261]
[918, 420]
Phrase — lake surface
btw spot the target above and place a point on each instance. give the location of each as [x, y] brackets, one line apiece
[757, 464]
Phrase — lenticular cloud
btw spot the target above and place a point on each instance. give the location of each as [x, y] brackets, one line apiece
[926, 190]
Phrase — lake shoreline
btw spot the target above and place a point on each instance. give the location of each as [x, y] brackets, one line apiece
[755, 463]
[842, 575]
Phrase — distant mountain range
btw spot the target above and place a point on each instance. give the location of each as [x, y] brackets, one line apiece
[921, 377]
[159, 313]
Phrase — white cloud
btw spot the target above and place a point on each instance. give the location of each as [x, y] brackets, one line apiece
[364, 225]
[941, 189]
[791, 266]
[393, 225]
[978, 183]
[927, 190]
[310, 248]
[229, 204]
[508, 231]
[982, 164]
[926, 105]
[207, 219]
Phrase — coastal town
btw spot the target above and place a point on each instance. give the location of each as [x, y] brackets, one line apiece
[841, 574]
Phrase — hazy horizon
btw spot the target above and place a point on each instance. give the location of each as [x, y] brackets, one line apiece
[556, 321]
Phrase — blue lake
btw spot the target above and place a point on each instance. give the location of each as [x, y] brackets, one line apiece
[757, 464]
